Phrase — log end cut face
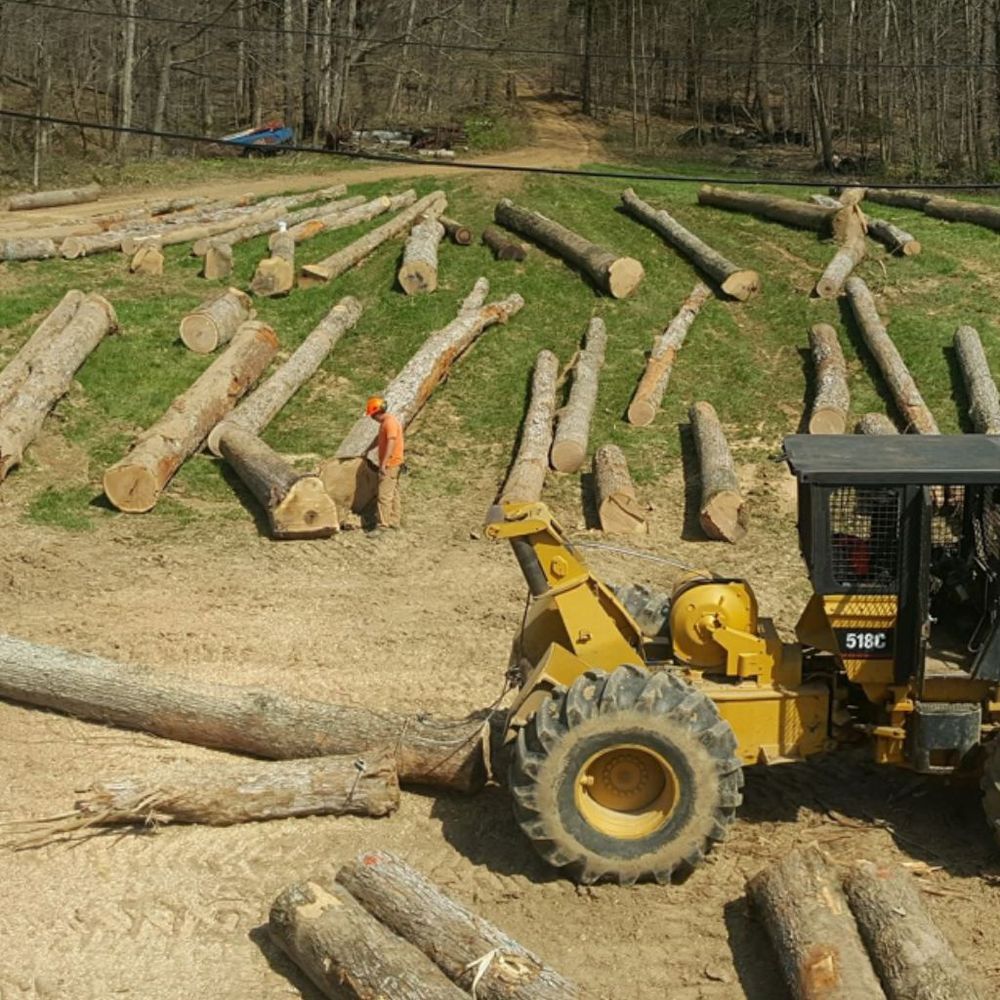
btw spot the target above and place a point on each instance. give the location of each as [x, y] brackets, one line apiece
[827, 422]
[741, 285]
[199, 333]
[641, 412]
[131, 488]
[624, 277]
[725, 517]
[306, 512]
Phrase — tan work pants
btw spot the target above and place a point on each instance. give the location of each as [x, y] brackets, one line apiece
[388, 498]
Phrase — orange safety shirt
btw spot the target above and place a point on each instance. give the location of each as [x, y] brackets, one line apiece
[390, 442]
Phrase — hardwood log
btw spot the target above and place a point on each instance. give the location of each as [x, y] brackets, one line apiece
[353, 215]
[875, 423]
[468, 949]
[135, 483]
[899, 199]
[52, 199]
[954, 210]
[457, 233]
[738, 283]
[418, 271]
[347, 953]
[984, 401]
[849, 254]
[503, 247]
[839, 223]
[527, 473]
[168, 206]
[27, 248]
[569, 445]
[618, 508]
[216, 321]
[275, 275]
[896, 240]
[218, 260]
[618, 276]
[723, 513]
[649, 392]
[833, 399]
[148, 259]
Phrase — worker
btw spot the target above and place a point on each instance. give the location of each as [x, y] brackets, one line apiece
[390, 462]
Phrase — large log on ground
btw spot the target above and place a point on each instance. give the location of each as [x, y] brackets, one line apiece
[964, 211]
[449, 753]
[569, 446]
[216, 321]
[457, 233]
[912, 957]
[275, 275]
[899, 199]
[897, 376]
[347, 953]
[896, 240]
[723, 512]
[875, 423]
[468, 949]
[660, 363]
[738, 283]
[135, 483]
[838, 223]
[984, 401]
[51, 375]
[804, 909]
[833, 399]
[148, 259]
[218, 260]
[618, 508]
[503, 247]
[418, 271]
[352, 215]
[27, 248]
[52, 199]
[849, 254]
[618, 276]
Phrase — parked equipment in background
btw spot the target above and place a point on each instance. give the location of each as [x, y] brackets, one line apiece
[265, 140]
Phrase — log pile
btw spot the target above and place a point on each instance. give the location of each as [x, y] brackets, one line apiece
[981, 390]
[618, 509]
[503, 247]
[419, 270]
[723, 512]
[216, 321]
[938, 207]
[52, 199]
[833, 399]
[351, 215]
[838, 223]
[569, 445]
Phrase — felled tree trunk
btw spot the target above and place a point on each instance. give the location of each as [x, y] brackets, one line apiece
[963, 211]
[833, 399]
[462, 944]
[216, 321]
[52, 199]
[527, 475]
[569, 446]
[275, 275]
[618, 508]
[896, 240]
[875, 423]
[27, 248]
[738, 283]
[148, 259]
[351, 216]
[135, 483]
[653, 384]
[839, 223]
[984, 401]
[899, 199]
[618, 276]
[457, 233]
[503, 247]
[218, 260]
[723, 512]
[843, 262]
[419, 269]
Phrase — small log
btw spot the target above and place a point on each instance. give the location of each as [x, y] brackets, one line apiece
[843, 262]
[569, 446]
[984, 401]
[457, 233]
[972, 212]
[723, 512]
[347, 953]
[649, 392]
[833, 399]
[618, 276]
[503, 247]
[329, 222]
[738, 283]
[464, 946]
[838, 223]
[218, 260]
[810, 925]
[52, 199]
[618, 508]
[27, 248]
[899, 199]
[135, 483]
[169, 206]
[436, 154]
[148, 259]
[896, 240]
[875, 423]
[275, 275]
[419, 269]
[216, 321]
[912, 957]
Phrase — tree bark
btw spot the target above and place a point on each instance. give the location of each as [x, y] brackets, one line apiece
[833, 399]
[875, 423]
[527, 475]
[419, 269]
[618, 276]
[218, 260]
[52, 199]
[216, 321]
[984, 401]
[135, 483]
[838, 223]
[351, 216]
[723, 512]
[275, 275]
[738, 283]
[896, 240]
[849, 254]
[27, 248]
[569, 446]
[899, 199]
[457, 233]
[503, 247]
[618, 508]
[954, 210]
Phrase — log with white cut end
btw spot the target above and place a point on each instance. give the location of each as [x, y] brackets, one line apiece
[462, 944]
[503, 247]
[27, 248]
[218, 260]
[645, 403]
[135, 483]
[569, 446]
[347, 953]
[418, 271]
[897, 376]
[50, 377]
[984, 401]
[148, 259]
[723, 511]
[618, 509]
[612, 273]
[896, 240]
[52, 199]
[849, 254]
[833, 399]
[457, 233]
[216, 321]
[875, 423]
[275, 275]
[738, 283]
[351, 215]
[840, 223]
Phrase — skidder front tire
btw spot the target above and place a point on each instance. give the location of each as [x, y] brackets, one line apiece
[626, 776]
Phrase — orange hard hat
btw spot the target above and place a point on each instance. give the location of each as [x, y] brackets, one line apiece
[375, 404]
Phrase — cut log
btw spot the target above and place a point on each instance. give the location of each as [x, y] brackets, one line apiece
[653, 384]
[723, 512]
[448, 753]
[218, 260]
[342, 219]
[135, 483]
[503, 247]
[527, 474]
[912, 957]
[833, 399]
[839, 223]
[467, 948]
[418, 271]
[347, 953]
[618, 508]
[804, 909]
[984, 401]
[849, 254]
[275, 275]
[148, 259]
[896, 240]
[216, 321]
[899, 199]
[904, 390]
[437, 154]
[457, 233]
[27, 248]
[738, 283]
[569, 446]
[954, 210]
[52, 199]
[351, 255]
[50, 378]
[618, 276]
[875, 423]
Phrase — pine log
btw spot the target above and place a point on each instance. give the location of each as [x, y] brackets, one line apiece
[875, 423]
[618, 276]
[527, 474]
[984, 401]
[738, 283]
[899, 199]
[464, 946]
[649, 392]
[275, 275]
[912, 957]
[448, 753]
[418, 271]
[839, 223]
[52, 199]
[833, 399]
[723, 512]
[135, 483]
[569, 445]
[904, 390]
[50, 378]
[216, 321]
[347, 953]
[803, 907]
[618, 508]
[849, 254]
[218, 260]
[343, 219]
[27, 248]
[148, 259]
[457, 233]
[503, 247]
[973, 212]
[896, 240]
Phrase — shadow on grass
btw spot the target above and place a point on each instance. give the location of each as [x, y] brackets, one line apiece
[809, 392]
[959, 393]
[871, 367]
[691, 530]
[588, 500]
[757, 965]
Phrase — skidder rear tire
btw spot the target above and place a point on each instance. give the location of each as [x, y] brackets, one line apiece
[991, 787]
[626, 776]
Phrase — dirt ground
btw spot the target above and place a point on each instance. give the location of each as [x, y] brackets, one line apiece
[423, 620]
